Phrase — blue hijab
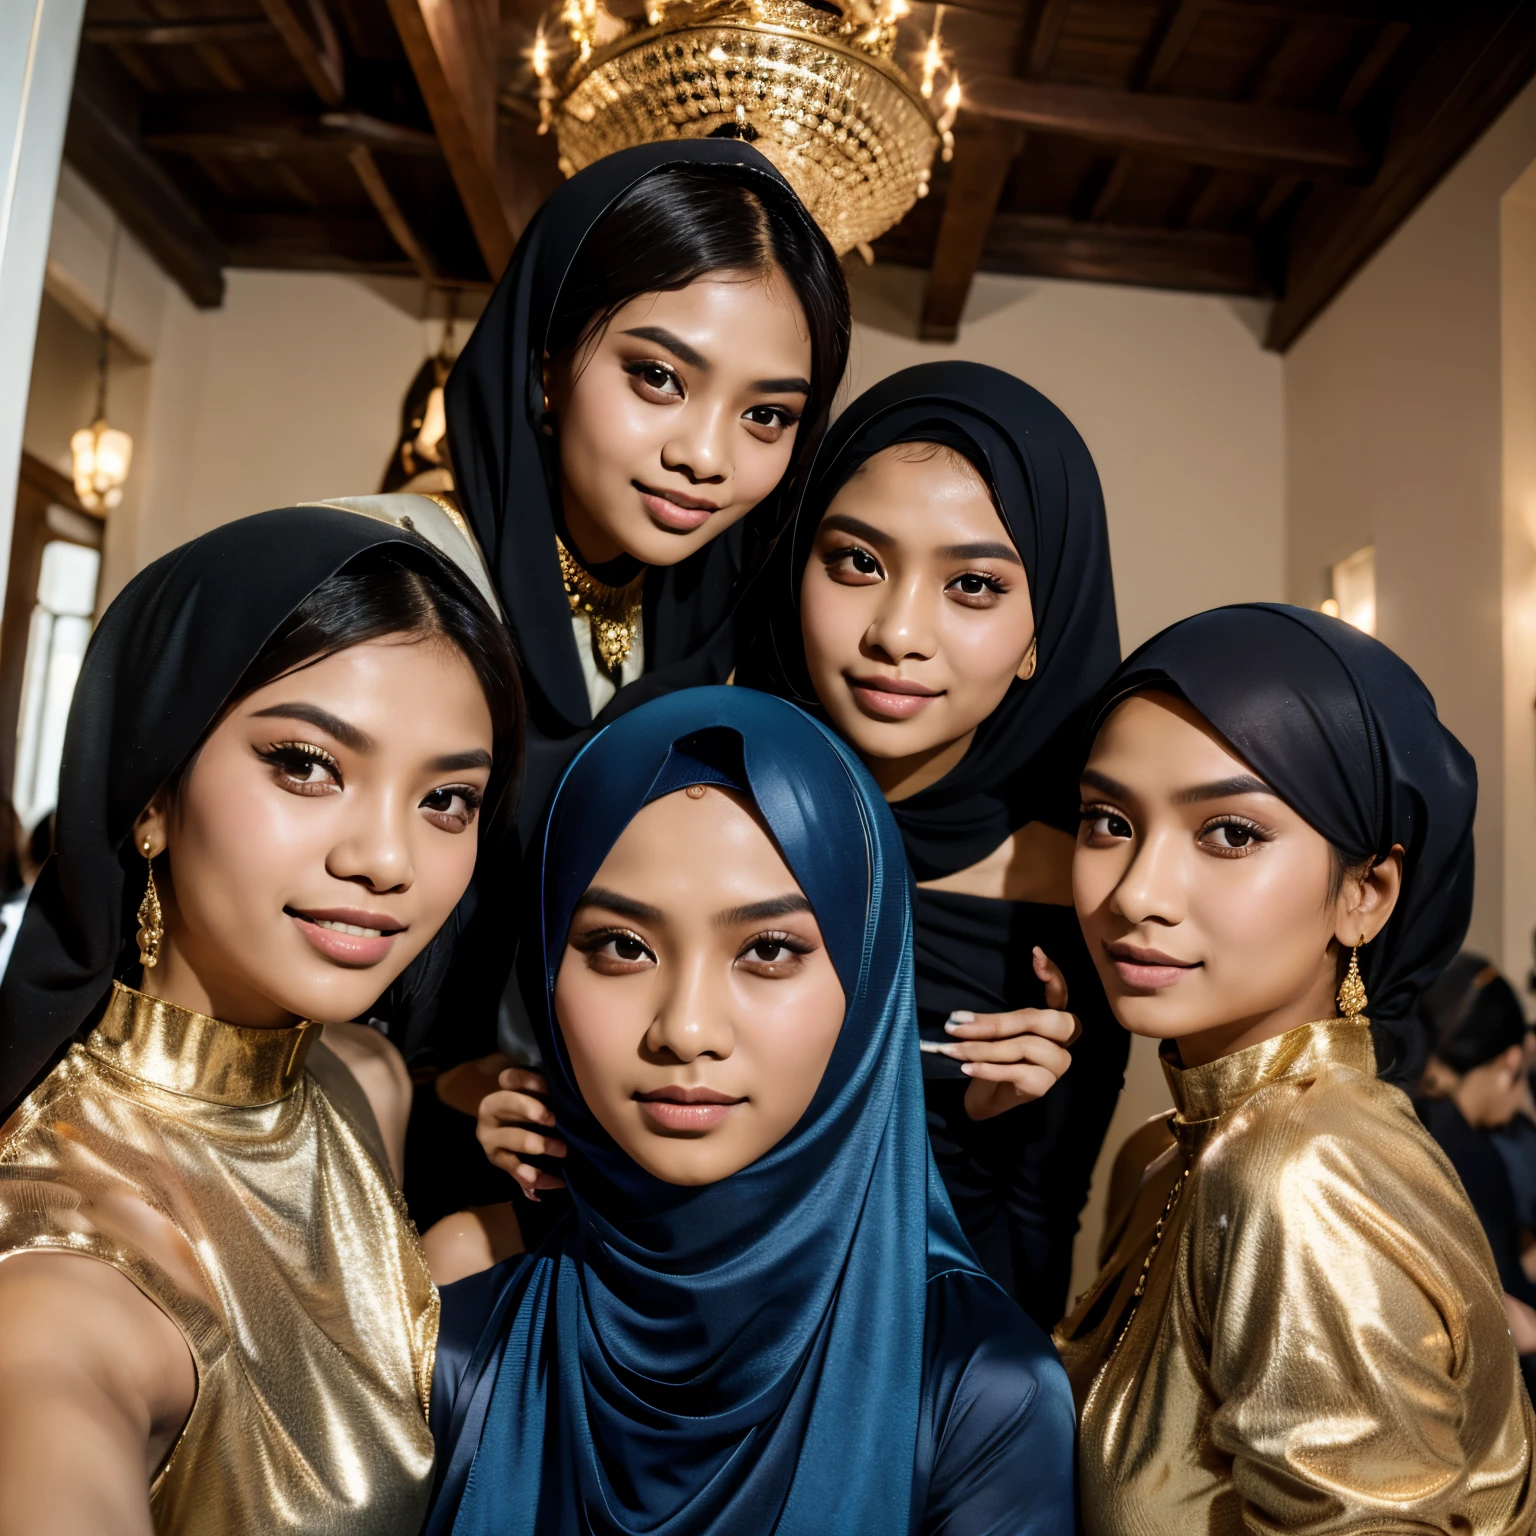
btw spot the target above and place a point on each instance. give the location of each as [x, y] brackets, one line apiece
[744, 1356]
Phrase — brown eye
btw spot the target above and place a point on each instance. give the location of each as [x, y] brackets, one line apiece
[1101, 823]
[628, 947]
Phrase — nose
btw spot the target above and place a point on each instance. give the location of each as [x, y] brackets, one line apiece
[1150, 890]
[700, 444]
[903, 627]
[374, 846]
[692, 1016]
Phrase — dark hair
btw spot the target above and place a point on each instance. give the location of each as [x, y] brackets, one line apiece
[407, 590]
[683, 222]
[1472, 1013]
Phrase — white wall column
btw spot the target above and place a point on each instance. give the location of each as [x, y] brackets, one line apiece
[38, 42]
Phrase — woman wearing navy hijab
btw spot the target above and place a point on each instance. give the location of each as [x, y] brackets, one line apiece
[797, 1342]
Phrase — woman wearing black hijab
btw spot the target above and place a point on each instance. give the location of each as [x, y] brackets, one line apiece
[1298, 1325]
[277, 754]
[999, 768]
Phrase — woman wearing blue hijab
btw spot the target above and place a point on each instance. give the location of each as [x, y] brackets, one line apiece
[798, 1344]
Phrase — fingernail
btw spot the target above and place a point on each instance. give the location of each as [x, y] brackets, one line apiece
[931, 1047]
[968, 1069]
[960, 1016]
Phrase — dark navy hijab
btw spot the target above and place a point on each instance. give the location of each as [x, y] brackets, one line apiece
[1022, 765]
[744, 1356]
[1344, 732]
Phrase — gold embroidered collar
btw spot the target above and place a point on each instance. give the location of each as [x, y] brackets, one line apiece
[1203, 1093]
[196, 1056]
[613, 612]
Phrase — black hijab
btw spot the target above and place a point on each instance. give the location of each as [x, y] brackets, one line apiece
[1472, 1013]
[166, 655]
[1022, 765]
[508, 483]
[1344, 732]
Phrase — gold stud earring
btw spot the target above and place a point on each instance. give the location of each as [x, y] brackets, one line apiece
[1027, 666]
[151, 923]
[695, 791]
[1352, 998]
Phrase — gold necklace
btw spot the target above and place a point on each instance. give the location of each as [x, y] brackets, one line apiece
[1146, 1263]
[613, 612]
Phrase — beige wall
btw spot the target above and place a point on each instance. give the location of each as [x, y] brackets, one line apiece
[1394, 413]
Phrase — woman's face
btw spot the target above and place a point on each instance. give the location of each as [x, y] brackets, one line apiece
[680, 416]
[1205, 899]
[322, 835]
[696, 999]
[915, 613]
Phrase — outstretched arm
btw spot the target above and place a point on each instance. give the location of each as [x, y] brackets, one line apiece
[96, 1383]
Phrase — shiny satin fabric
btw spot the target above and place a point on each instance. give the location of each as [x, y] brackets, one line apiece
[1321, 1345]
[235, 1176]
[744, 1356]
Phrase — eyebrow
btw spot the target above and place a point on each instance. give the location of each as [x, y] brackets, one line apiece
[1217, 789]
[460, 762]
[981, 552]
[782, 386]
[673, 343]
[759, 911]
[322, 720]
[625, 906]
[840, 522]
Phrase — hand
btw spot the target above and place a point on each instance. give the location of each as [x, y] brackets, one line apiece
[502, 1128]
[1013, 1058]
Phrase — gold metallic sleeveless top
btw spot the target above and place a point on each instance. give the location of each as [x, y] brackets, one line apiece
[236, 1177]
[1298, 1326]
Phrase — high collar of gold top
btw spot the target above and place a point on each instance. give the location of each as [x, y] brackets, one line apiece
[198, 1057]
[1204, 1093]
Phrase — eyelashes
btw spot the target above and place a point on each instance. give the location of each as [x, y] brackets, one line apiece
[1227, 836]
[303, 768]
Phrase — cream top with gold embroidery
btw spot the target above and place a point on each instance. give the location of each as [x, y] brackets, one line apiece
[236, 1177]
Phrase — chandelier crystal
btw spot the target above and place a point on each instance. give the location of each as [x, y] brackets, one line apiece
[814, 86]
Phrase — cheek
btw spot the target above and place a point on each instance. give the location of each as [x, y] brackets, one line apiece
[1262, 917]
[983, 652]
[833, 618]
[760, 466]
[789, 1028]
[597, 1024]
[601, 427]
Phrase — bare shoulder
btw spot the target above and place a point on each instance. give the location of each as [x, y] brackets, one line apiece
[1032, 864]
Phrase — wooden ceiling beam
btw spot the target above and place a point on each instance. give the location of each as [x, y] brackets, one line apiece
[451, 46]
[1233, 134]
[313, 242]
[984, 155]
[388, 209]
[102, 143]
[251, 127]
[167, 34]
[1199, 261]
[1042, 45]
[315, 48]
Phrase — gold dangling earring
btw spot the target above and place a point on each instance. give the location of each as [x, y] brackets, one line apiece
[151, 923]
[1027, 666]
[1352, 998]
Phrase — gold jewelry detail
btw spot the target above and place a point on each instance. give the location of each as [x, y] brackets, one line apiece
[151, 921]
[814, 86]
[695, 791]
[613, 612]
[1146, 1263]
[1027, 666]
[1352, 998]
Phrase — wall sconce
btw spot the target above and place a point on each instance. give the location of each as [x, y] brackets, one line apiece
[1353, 584]
[102, 453]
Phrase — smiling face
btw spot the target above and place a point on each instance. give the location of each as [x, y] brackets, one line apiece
[696, 998]
[915, 613]
[1207, 902]
[679, 416]
[322, 835]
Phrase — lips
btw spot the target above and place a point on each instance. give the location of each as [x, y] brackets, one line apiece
[1148, 970]
[348, 936]
[674, 511]
[891, 698]
[678, 1110]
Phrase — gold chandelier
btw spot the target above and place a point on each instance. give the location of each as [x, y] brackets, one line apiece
[813, 84]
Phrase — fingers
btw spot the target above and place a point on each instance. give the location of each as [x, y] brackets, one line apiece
[985, 1099]
[521, 1142]
[1055, 983]
[523, 1080]
[1021, 1049]
[529, 1179]
[505, 1106]
[1048, 1023]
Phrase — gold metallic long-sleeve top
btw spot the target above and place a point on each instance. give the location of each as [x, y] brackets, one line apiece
[245, 1193]
[1321, 1345]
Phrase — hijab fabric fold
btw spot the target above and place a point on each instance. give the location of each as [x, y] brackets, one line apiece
[1343, 730]
[504, 468]
[1022, 765]
[743, 1356]
[164, 658]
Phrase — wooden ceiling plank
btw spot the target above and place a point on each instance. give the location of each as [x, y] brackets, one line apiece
[1276, 198]
[1472, 71]
[139, 67]
[984, 154]
[1047, 30]
[1220, 133]
[251, 127]
[219, 65]
[1198, 261]
[388, 209]
[102, 143]
[1114, 184]
[318, 55]
[1376, 59]
[168, 34]
[1171, 45]
[1282, 64]
[451, 48]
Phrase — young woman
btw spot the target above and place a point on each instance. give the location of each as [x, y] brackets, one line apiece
[214, 1313]
[760, 1315]
[1298, 1326]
